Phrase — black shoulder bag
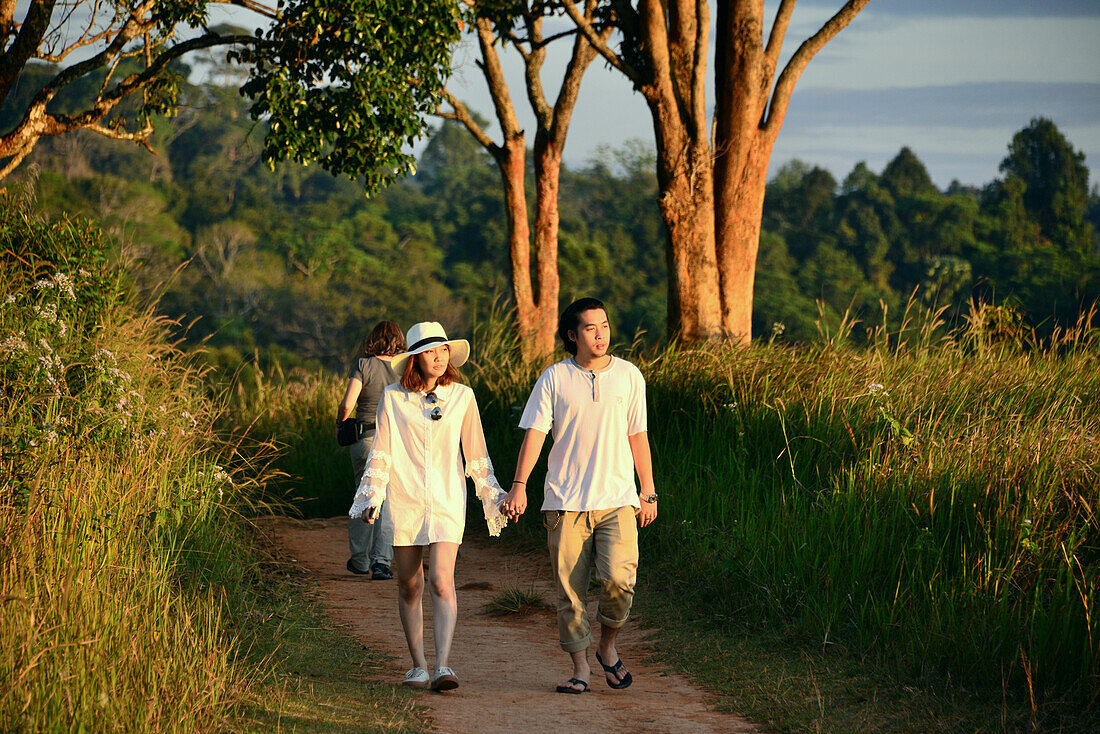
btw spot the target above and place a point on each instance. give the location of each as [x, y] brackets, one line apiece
[351, 430]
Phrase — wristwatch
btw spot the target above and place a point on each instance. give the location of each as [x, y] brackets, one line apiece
[648, 497]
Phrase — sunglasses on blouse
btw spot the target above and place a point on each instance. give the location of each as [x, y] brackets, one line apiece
[432, 399]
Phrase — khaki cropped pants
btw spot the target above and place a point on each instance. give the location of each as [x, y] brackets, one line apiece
[607, 539]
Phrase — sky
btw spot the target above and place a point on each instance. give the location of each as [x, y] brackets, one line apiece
[951, 79]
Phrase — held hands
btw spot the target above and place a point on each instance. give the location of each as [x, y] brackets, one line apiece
[370, 515]
[515, 502]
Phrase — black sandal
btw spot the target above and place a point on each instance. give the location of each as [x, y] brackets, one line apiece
[613, 670]
[570, 686]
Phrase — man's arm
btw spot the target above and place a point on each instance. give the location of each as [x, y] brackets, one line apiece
[515, 503]
[643, 464]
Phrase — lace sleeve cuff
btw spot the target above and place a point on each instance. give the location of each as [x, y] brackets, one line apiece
[488, 490]
[372, 487]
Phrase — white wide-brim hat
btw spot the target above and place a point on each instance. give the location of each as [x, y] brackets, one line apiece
[429, 335]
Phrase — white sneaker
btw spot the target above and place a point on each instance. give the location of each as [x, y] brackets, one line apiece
[444, 679]
[416, 678]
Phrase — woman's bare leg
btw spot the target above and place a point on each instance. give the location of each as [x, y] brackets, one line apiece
[441, 584]
[408, 563]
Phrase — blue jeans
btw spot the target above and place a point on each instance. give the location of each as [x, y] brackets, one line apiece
[369, 544]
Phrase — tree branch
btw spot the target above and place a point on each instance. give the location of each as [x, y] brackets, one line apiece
[15, 161]
[517, 44]
[699, 69]
[462, 114]
[583, 56]
[494, 77]
[550, 39]
[14, 58]
[37, 123]
[531, 73]
[781, 97]
[254, 6]
[8, 25]
[600, 44]
[775, 38]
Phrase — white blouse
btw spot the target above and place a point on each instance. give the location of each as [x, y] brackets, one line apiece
[415, 463]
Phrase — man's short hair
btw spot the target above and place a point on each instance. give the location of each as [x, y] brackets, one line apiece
[571, 319]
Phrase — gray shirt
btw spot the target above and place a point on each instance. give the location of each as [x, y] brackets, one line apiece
[375, 373]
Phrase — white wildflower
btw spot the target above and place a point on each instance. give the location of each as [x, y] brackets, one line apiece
[120, 376]
[876, 387]
[778, 327]
[14, 344]
[65, 285]
[50, 312]
[9, 300]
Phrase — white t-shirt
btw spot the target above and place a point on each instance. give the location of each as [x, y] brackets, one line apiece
[590, 414]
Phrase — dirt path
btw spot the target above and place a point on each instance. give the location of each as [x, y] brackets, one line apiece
[508, 666]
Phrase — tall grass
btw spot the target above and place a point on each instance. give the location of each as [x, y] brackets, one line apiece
[926, 503]
[929, 501]
[295, 414]
[115, 547]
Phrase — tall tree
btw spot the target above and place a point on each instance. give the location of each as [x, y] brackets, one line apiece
[1056, 182]
[520, 25]
[712, 190]
[337, 86]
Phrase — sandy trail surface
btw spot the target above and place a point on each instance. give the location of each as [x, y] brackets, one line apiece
[508, 666]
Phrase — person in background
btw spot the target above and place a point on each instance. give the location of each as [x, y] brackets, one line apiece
[371, 545]
[428, 440]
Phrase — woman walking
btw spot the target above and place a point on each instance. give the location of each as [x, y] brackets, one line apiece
[428, 439]
[371, 545]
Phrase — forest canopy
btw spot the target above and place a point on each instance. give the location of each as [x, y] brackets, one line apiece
[297, 263]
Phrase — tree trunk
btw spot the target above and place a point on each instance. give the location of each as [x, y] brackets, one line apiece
[737, 234]
[687, 208]
[512, 160]
[685, 171]
[540, 346]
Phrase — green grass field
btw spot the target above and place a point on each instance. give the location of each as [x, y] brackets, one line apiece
[920, 510]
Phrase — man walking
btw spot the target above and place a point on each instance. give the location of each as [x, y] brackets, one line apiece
[594, 403]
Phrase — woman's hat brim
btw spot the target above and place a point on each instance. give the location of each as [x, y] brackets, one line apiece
[460, 352]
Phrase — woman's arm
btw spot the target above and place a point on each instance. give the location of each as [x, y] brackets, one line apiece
[479, 467]
[351, 396]
[376, 475]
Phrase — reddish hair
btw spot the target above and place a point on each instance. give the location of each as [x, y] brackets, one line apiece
[413, 379]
